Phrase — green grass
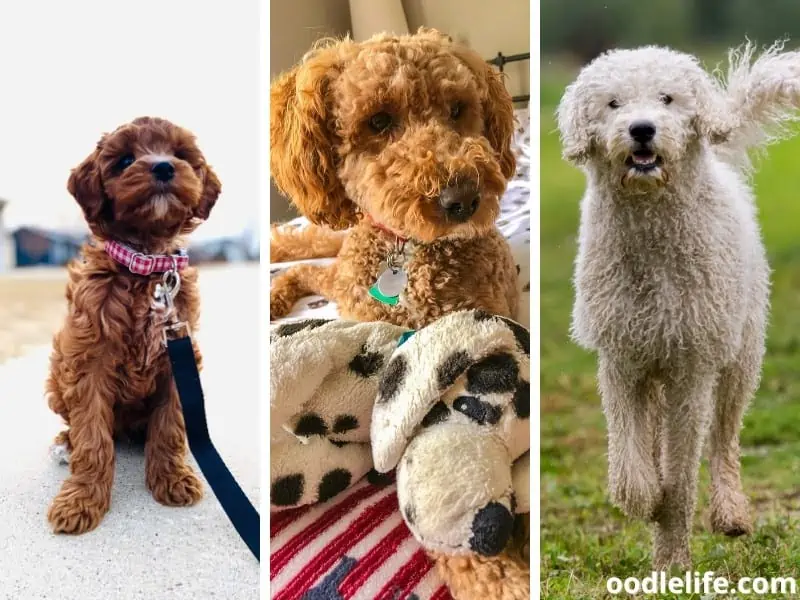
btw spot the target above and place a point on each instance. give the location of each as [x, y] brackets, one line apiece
[584, 540]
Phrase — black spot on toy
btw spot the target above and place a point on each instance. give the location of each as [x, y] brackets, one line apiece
[338, 443]
[491, 529]
[437, 414]
[410, 513]
[392, 379]
[310, 424]
[333, 482]
[287, 491]
[380, 479]
[366, 363]
[291, 328]
[522, 400]
[521, 334]
[345, 423]
[494, 374]
[453, 366]
[478, 410]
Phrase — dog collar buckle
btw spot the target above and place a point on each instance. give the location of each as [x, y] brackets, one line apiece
[141, 264]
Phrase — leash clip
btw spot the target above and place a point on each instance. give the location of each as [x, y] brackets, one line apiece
[164, 294]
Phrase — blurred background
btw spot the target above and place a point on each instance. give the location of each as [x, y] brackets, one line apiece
[490, 28]
[64, 86]
[584, 540]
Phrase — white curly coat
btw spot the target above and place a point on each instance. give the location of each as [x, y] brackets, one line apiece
[671, 278]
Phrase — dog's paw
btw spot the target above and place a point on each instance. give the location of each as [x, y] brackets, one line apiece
[730, 513]
[278, 306]
[60, 453]
[78, 508]
[180, 487]
[677, 560]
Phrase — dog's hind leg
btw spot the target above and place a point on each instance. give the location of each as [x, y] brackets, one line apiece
[688, 405]
[630, 414]
[730, 512]
[299, 281]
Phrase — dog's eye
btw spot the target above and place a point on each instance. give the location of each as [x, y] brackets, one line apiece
[456, 110]
[125, 162]
[614, 103]
[380, 122]
[666, 99]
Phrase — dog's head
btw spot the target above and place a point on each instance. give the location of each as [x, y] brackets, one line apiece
[145, 183]
[641, 113]
[414, 131]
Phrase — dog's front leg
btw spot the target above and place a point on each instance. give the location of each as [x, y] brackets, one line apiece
[171, 481]
[86, 495]
[687, 413]
[630, 415]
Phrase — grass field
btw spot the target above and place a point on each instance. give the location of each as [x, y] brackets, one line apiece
[584, 539]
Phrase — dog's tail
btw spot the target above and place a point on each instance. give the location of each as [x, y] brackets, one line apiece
[295, 243]
[763, 98]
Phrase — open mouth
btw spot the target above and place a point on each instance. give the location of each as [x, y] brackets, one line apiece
[643, 160]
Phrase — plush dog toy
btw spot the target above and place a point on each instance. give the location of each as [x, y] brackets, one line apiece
[448, 406]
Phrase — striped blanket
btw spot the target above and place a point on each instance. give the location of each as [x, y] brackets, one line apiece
[355, 546]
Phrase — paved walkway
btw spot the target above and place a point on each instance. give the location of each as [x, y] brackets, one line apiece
[141, 549]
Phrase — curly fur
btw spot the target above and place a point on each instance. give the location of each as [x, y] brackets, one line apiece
[109, 374]
[336, 169]
[671, 278]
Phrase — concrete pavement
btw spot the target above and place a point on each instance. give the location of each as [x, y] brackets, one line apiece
[141, 549]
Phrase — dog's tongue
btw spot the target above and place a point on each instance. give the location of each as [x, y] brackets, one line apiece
[643, 158]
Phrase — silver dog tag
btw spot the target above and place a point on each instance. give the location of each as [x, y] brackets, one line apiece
[390, 283]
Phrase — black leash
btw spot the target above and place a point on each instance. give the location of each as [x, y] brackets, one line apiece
[240, 511]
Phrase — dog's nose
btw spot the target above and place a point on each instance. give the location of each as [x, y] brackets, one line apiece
[163, 171]
[642, 131]
[460, 201]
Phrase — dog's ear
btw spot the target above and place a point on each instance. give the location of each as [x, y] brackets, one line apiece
[86, 186]
[573, 127]
[433, 34]
[211, 190]
[713, 120]
[302, 160]
[498, 109]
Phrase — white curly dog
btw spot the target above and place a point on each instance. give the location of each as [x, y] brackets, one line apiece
[671, 278]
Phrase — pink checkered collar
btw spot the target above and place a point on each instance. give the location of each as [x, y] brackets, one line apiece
[145, 264]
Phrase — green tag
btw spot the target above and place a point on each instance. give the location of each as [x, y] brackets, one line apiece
[376, 293]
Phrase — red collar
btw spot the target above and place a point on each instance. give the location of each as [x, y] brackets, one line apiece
[385, 229]
[145, 264]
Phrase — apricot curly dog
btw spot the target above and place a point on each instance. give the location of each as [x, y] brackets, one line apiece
[145, 185]
[406, 139]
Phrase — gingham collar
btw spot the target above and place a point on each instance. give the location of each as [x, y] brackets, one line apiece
[145, 264]
[385, 229]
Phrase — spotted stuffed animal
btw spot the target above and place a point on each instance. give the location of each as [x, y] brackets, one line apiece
[448, 406]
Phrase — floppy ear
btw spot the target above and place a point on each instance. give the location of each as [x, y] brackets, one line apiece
[498, 109]
[86, 186]
[713, 121]
[211, 189]
[573, 126]
[302, 158]
[433, 34]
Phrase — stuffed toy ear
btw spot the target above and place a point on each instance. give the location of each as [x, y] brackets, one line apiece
[306, 355]
[491, 351]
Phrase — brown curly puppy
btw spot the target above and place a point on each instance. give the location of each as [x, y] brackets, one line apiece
[145, 185]
[407, 140]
